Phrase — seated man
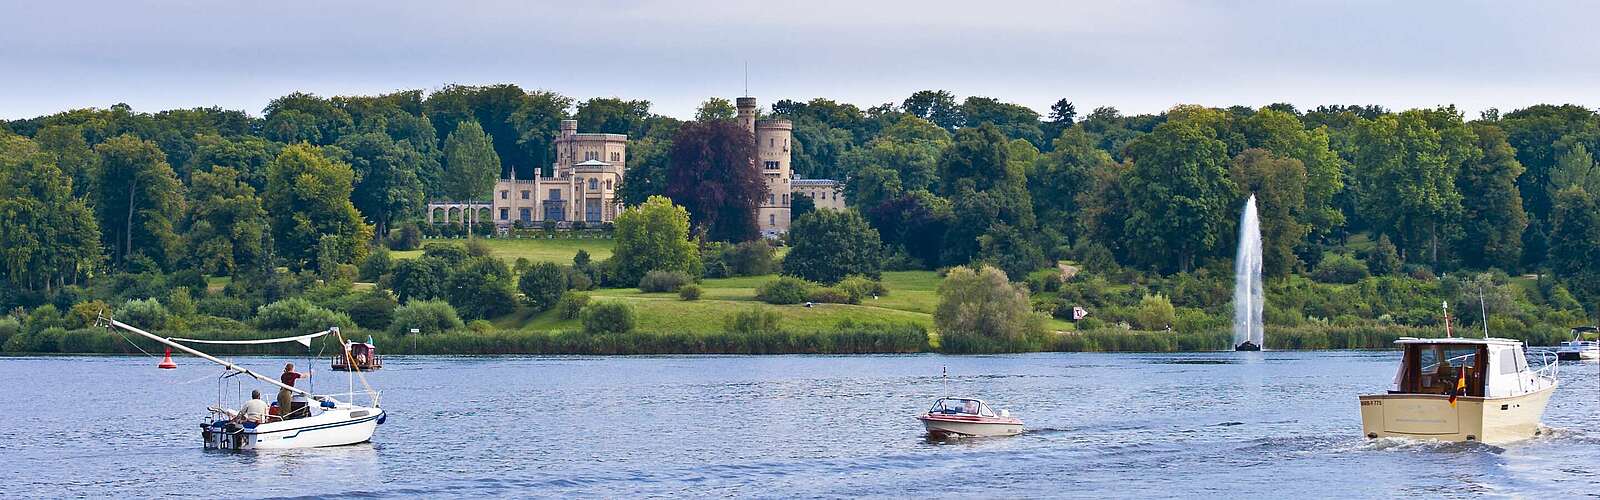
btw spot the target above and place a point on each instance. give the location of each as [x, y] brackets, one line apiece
[254, 410]
[970, 407]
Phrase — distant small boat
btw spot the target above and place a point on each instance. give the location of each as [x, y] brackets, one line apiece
[1455, 389]
[1577, 348]
[358, 356]
[967, 417]
[1247, 346]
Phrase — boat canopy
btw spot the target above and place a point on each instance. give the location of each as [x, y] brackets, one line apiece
[961, 406]
[1489, 367]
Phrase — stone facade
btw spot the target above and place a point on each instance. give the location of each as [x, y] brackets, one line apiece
[772, 158]
[824, 193]
[587, 171]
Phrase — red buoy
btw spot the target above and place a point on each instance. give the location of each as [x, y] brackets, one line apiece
[166, 361]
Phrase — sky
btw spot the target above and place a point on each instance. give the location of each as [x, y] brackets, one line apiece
[1140, 56]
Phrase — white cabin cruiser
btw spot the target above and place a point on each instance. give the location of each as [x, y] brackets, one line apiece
[967, 417]
[1577, 348]
[332, 423]
[1455, 389]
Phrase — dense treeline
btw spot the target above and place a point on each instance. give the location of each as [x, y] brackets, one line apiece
[115, 205]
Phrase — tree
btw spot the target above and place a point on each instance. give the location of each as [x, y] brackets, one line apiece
[419, 279]
[139, 200]
[225, 230]
[1062, 113]
[609, 115]
[1178, 194]
[536, 122]
[471, 165]
[828, 245]
[1407, 172]
[542, 285]
[653, 237]
[387, 185]
[1575, 167]
[713, 175]
[1279, 185]
[48, 237]
[1575, 241]
[1282, 133]
[1056, 180]
[481, 288]
[1384, 260]
[308, 199]
[914, 225]
[649, 162]
[715, 109]
[1492, 221]
[1003, 247]
[978, 174]
[981, 310]
[801, 205]
[937, 106]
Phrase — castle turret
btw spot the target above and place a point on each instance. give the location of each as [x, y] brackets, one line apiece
[747, 113]
[569, 128]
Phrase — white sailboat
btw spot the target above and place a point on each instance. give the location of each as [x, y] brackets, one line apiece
[334, 422]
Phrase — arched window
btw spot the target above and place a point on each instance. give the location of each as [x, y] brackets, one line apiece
[594, 184]
[608, 184]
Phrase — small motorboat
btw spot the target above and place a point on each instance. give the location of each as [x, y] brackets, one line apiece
[967, 417]
[1577, 348]
[1247, 346]
[1456, 389]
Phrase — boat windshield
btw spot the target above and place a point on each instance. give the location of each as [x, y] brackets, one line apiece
[1435, 368]
[956, 406]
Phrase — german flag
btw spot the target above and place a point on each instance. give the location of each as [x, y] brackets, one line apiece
[1461, 386]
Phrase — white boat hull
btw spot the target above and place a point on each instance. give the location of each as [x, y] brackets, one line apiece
[333, 427]
[946, 427]
[1430, 416]
[1578, 354]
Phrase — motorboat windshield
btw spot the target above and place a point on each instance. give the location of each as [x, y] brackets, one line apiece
[1482, 367]
[961, 406]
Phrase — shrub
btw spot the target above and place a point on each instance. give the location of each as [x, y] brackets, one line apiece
[750, 258]
[571, 304]
[860, 287]
[452, 254]
[300, 315]
[9, 327]
[753, 321]
[542, 285]
[828, 295]
[578, 279]
[1155, 313]
[407, 237]
[653, 235]
[784, 290]
[481, 288]
[982, 311]
[427, 316]
[480, 326]
[420, 279]
[478, 248]
[84, 314]
[664, 281]
[374, 310]
[689, 292]
[147, 314]
[1339, 268]
[608, 317]
[1044, 280]
[830, 244]
[377, 264]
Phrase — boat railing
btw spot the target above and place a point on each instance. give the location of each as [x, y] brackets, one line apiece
[1550, 365]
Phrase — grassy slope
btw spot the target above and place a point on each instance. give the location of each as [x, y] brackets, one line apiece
[912, 296]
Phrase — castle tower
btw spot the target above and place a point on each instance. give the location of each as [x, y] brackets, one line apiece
[772, 159]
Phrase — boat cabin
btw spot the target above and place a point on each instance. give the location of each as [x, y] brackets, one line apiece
[358, 356]
[1489, 367]
[961, 406]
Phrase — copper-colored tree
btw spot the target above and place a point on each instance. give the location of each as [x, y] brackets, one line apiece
[713, 174]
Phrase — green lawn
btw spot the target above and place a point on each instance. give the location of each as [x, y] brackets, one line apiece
[912, 299]
[559, 250]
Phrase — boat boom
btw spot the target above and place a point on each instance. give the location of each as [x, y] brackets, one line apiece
[225, 363]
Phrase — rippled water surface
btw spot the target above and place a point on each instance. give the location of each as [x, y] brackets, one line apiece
[1275, 424]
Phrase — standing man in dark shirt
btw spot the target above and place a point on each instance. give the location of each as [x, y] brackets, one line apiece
[286, 398]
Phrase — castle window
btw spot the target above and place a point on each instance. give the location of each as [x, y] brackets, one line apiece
[771, 142]
[771, 200]
[772, 219]
[615, 156]
[524, 195]
[786, 200]
[594, 184]
[771, 165]
[504, 194]
[505, 213]
[608, 184]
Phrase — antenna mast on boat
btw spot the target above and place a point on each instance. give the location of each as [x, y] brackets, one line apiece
[1484, 310]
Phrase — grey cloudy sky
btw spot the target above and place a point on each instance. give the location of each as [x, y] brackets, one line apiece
[1140, 55]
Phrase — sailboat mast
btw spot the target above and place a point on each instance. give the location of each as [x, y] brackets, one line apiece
[205, 356]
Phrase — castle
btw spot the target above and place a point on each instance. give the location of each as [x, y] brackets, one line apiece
[590, 166]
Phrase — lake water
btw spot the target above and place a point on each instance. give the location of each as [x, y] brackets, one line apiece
[1275, 424]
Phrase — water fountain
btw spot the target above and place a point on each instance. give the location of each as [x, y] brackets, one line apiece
[1248, 295]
